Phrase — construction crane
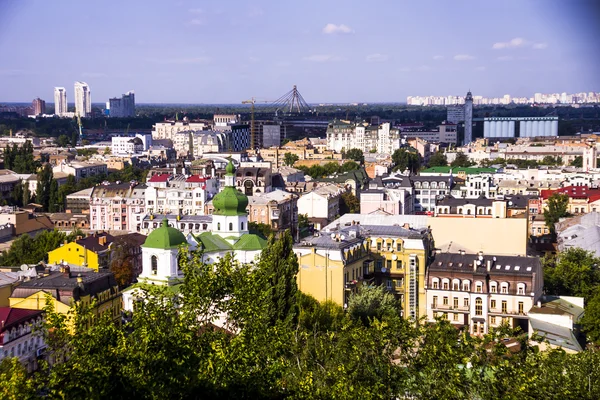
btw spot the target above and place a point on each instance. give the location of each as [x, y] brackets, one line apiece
[253, 101]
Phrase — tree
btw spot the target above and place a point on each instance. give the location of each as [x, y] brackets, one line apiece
[356, 155]
[550, 160]
[372, 302]
[573, 272]
[26, 194]
[438, 159]
[461, 160]
[260, 228]
[557, 209]
[406, 159]
[44, 178]
[591, 319]
[349, 166]
[577, 162]
[28, 250]
[63, 141]
[16, 383]
[303, 221]
[53, 199]
[349, 203]
[290, 159]
[122, 264]
[17, 193]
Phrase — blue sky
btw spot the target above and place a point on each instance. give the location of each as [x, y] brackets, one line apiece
[335, 51]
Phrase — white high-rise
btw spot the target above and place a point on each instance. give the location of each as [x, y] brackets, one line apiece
[60, 101]
[83, 99]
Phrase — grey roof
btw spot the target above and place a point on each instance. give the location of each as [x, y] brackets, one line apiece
[503, 265]
[415, 221]
[555, 334]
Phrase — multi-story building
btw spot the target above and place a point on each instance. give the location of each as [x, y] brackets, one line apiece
[81, 169]
[122, 107]
[278, 209]
[253, 178]
[455, 114]
[445, 133]
[582, 199]
[391, 194]
[482, 207]
[480, 291]
[196, 143]
[91, 252]
[60, 101]
[69, 286]
[179, 194]
[79, 202]
[166, 129]
[83, 99]
[345, 135]
[20, 337]
[39, 106]
[118, 207]
[187, 224]
[468, 118]
[131, 145]
[479, 185]
[428, 189]
[322, 205]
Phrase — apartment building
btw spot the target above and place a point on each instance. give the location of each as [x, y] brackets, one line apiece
[117, 206]
[392, 194]
[179, 194]
[322, 205]
[81, 170]
[167, 129]
[345, 135]
[478, 292]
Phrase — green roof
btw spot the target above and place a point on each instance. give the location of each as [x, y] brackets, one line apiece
[165, 237]
[467, 170]
[247, 242]
[230, 202]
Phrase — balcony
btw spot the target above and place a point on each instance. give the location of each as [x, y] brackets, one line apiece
[449, 307]
[508, 313]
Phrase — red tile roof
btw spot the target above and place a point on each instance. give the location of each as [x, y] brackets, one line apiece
[575, 192]
[13, 316]
[196, 178]
[159, 178]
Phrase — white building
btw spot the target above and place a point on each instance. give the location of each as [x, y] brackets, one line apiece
[322, 205]
[167, 129]
[83, 99]
[60, 101]
[131, 145]
[81, 169]
[18, 335]
[345, 135]
[179, 194]
[117, 207]
[123, 106]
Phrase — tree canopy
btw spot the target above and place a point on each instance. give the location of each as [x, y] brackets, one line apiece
[406, 159]
[461, 160]
[438, 159]
[556, 209]
[356, 155]
[290, 159]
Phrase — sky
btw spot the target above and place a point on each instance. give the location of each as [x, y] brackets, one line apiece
[226, 51]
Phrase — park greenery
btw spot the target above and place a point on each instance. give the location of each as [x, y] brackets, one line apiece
[280, 343]
[437, 159]
[356, 155]
[556, 209]
[33, 250]
[406, 158]
[322, 171]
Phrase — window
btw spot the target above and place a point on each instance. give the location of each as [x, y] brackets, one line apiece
[493, 320]
[218, 226]
[482, 328]
[445, 285]
[455, 285]
[398, 264]
[436, 284]
[455, 302]
[493, 304]
[478, 306]
[521, 311]
[466, 286]
[493, 288]
[521, 289]
[504, 306]
[445, 300]
[388, 264]
[389, 284]
[504, 288]
[434, 305]
[378, 245]
[398, 246]
[466, 302]
[455, 317]
[154, 264]
[478, 287]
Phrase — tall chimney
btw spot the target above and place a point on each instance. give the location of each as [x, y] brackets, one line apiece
[489, 265]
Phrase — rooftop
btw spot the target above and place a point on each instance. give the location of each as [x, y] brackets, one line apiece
[499, 265]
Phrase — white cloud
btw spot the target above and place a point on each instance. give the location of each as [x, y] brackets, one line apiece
[539, 46]
[333, 28]
[322, 58]
[437, 58]
[196, 21]
[94, 75]
[191, 60]
[253, 59]
[404, 69]
[480, 68]
[424, 68]
[377, 57]
[196, 10]
[506, 58]
[463, 57]
[283, 64]
[255, 12]
[516, 42]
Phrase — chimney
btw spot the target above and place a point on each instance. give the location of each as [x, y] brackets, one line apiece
[489, 265]
[66, 271]
[102, 240]
[79, 281]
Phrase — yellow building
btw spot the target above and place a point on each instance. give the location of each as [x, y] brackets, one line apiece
[67, 289]
[91, 252]
[334, 264]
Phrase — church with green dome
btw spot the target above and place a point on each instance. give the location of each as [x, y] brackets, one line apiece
[229, 235]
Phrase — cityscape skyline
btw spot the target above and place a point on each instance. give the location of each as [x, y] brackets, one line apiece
[172, 55]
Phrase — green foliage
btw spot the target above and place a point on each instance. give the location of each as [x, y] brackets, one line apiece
[438, 159]
[20, 158]
[406, 159]
[550, 160]
[349, 203]
[321, 171]
[63, 141]
[44, 182]
[16, 384]
[290, 159]
[557, 209]
[577, 162]
[303, 221]
[372, 302]
[356, 155]
[260, 228]
[461, 160]
[591, 319]
[28, 250]
[574, 272]
[86, 152]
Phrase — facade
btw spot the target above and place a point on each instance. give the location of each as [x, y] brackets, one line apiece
[496, 127]
[278, 209]
[60, 101]
[179, 194]
[455, 114]
[322, 205]
[130, 145]
[187, 224]
[81, 169]
[392, 194]
[346, 135]
[253, 179]
[68, 288]
[428, 189]
[166, 130]
[468, 118]
[83, 99]
[39, 106]
[117, 207]
[445, 133]
[479, 292]
[91, 252]
[79, 202]
[18, 336]
[122, 107]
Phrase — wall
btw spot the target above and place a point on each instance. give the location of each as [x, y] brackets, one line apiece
[73, 254]
[500, 236]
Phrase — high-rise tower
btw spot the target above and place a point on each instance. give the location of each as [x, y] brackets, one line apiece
[60, 101]
[83, 99]
[468, 118]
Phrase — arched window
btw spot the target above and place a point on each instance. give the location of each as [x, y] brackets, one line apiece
[154, 264]
[231, 226]
[478, 306]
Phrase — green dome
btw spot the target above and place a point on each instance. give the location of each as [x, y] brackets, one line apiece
[165, 237]
[230, 202]
[230, 168]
